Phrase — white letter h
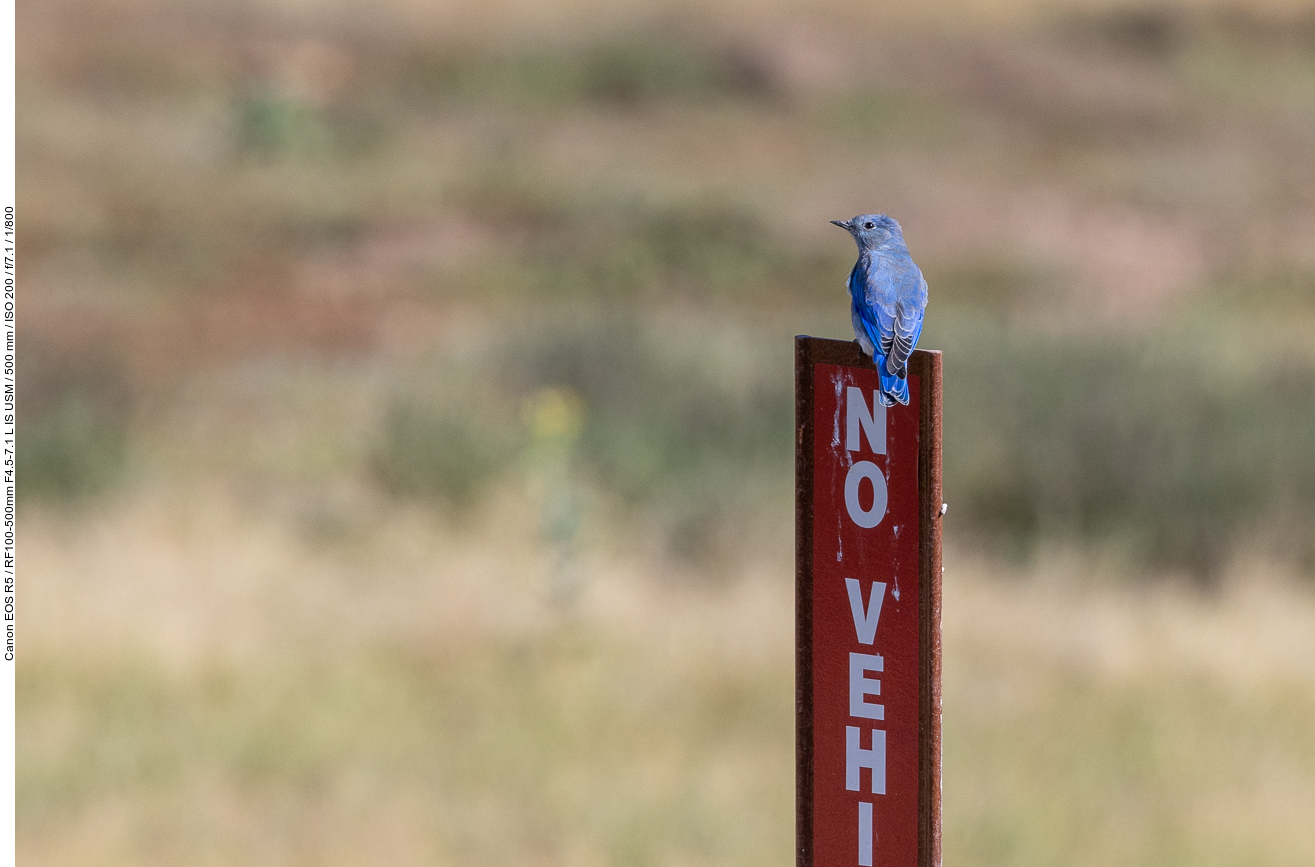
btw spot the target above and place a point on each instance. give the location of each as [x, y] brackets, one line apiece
[873, 759]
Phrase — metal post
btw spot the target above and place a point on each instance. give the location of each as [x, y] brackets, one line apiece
[864, 548]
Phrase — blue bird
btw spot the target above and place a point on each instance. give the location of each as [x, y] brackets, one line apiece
[889, 296]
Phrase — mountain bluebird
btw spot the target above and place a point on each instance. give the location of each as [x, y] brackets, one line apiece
[889, 295]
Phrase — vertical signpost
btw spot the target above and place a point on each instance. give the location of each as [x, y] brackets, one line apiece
[867, 611]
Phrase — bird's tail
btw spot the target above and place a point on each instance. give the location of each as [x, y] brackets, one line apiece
[894, 386]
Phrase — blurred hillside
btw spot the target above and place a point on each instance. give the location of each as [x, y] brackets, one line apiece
[334, 313]
[1116, 209]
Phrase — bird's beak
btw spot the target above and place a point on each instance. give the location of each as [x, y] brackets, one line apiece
[847, 225]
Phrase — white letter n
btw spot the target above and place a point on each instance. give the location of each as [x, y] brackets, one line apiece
[873, 423]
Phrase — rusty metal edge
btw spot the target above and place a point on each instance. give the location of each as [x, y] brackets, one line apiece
[803, 596]
[926, 365]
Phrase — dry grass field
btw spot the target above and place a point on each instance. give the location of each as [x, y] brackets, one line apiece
[204, 687]
[405, 434]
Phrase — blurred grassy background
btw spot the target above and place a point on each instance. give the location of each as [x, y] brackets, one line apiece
[405, 467]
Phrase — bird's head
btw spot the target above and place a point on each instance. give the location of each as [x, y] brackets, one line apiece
[870, 231]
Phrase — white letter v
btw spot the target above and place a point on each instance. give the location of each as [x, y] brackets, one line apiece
[865, 622]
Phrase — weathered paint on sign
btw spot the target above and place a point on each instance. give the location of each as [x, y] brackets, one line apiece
[869, 615]
[865, 622]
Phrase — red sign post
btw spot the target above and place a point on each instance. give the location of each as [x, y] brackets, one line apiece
[867, 617]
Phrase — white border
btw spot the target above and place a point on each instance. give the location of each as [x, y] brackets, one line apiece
[8, 192]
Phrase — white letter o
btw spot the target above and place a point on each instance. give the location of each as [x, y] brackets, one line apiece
[872, 517]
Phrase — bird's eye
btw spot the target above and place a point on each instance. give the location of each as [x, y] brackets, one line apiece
[869, 225]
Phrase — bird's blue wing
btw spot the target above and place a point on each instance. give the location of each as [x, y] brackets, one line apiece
[904, 336]
[899, 295]
[886, 321]
[864, 316]
[874, 297]
[889, 295]
[896, 297]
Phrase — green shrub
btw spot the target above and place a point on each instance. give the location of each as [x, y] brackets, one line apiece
[435, 451]
[1163, 454]
[661, 406]
[74, 410]
[621, 70]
